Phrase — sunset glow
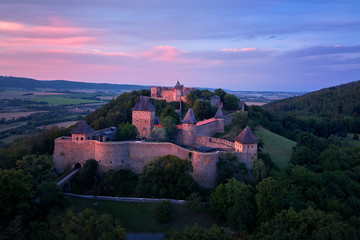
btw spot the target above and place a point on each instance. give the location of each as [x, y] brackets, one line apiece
[242, 46]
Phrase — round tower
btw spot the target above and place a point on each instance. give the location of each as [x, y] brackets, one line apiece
[189, 129]
[220, 121]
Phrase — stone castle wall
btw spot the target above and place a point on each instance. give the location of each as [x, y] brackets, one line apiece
[132, 156]
[207, 128]
[228, 119]
[214, 143]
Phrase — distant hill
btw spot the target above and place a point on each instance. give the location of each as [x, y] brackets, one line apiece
[31, 84]
[333, 110]
[335, 102]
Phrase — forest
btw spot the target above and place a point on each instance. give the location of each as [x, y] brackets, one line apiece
[315, 196]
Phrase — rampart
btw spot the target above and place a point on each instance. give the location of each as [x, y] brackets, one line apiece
[132, 156]
[214, 143]
[228, 119]
[206, 127]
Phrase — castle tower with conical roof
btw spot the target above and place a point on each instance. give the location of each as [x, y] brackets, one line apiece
[220, 120]
[189, 128]
[143, 116]
[81, 132]
[246, 143]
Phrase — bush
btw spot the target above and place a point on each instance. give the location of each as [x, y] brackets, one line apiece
[163, 212]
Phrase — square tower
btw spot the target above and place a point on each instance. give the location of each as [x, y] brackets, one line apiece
[143, 116]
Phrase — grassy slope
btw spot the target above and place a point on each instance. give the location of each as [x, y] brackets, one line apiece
[279, 148]
[139, 217]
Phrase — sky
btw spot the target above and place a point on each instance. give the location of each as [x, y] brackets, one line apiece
[277, 45]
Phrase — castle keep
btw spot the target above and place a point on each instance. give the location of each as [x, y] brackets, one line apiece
[170, 94]
[85, 143]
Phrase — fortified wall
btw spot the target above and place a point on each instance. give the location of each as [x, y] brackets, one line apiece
[86, 143]
[132, 156]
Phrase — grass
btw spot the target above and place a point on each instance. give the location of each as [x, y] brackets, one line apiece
[279, 148]
[139, 217]
[62, 100]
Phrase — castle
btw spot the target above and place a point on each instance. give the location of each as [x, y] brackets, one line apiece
[171, 94]
[85, 143]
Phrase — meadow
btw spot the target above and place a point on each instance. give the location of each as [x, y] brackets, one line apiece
[279, 148]
[140, 217]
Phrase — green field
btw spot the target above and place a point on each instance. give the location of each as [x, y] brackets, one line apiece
[62, 100]
[139, 217]
[279, 148]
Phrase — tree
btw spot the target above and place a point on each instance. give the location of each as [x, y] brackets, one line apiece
[268, 198]
[221, 93]
[170, 111]
[303, 156]
[119, 183]
[169, 125]
[235, 202]
[90, 225]
[241, 118]
[241, 213]
[307, 224]
[38, 166]
[202, 110]
[231, 102]
[126, 131]
[229, 167]
[89, 173]
[15, 195]
[167, 177]
[197, 232]
[157, 135]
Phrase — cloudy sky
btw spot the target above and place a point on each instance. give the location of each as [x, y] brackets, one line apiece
[283, 45]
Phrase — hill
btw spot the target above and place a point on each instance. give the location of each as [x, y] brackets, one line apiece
[327, 111]
[338, 101]
[31, 84]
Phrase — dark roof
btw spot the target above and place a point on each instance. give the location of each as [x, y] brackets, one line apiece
[157, 120]
[178, 84]
[143, 104]
[82, 128]
[189, 117]
[219, 114]
[246, 137]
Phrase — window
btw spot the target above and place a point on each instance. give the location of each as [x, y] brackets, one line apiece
[77, 138]
[82, 138]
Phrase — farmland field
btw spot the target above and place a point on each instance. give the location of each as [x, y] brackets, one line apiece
[16, 115]
[62, 100]
[279, 148]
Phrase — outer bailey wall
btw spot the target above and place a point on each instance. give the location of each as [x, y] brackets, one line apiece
[112, 155]
[204, 164]
[68, 152]
[132, 156]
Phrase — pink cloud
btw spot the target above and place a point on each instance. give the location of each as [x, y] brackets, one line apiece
[162, 53]
[58, 33]
[237, 50]
[10, 26]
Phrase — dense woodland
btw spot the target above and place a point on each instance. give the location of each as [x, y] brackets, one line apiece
[334, 110]
[316, 196]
